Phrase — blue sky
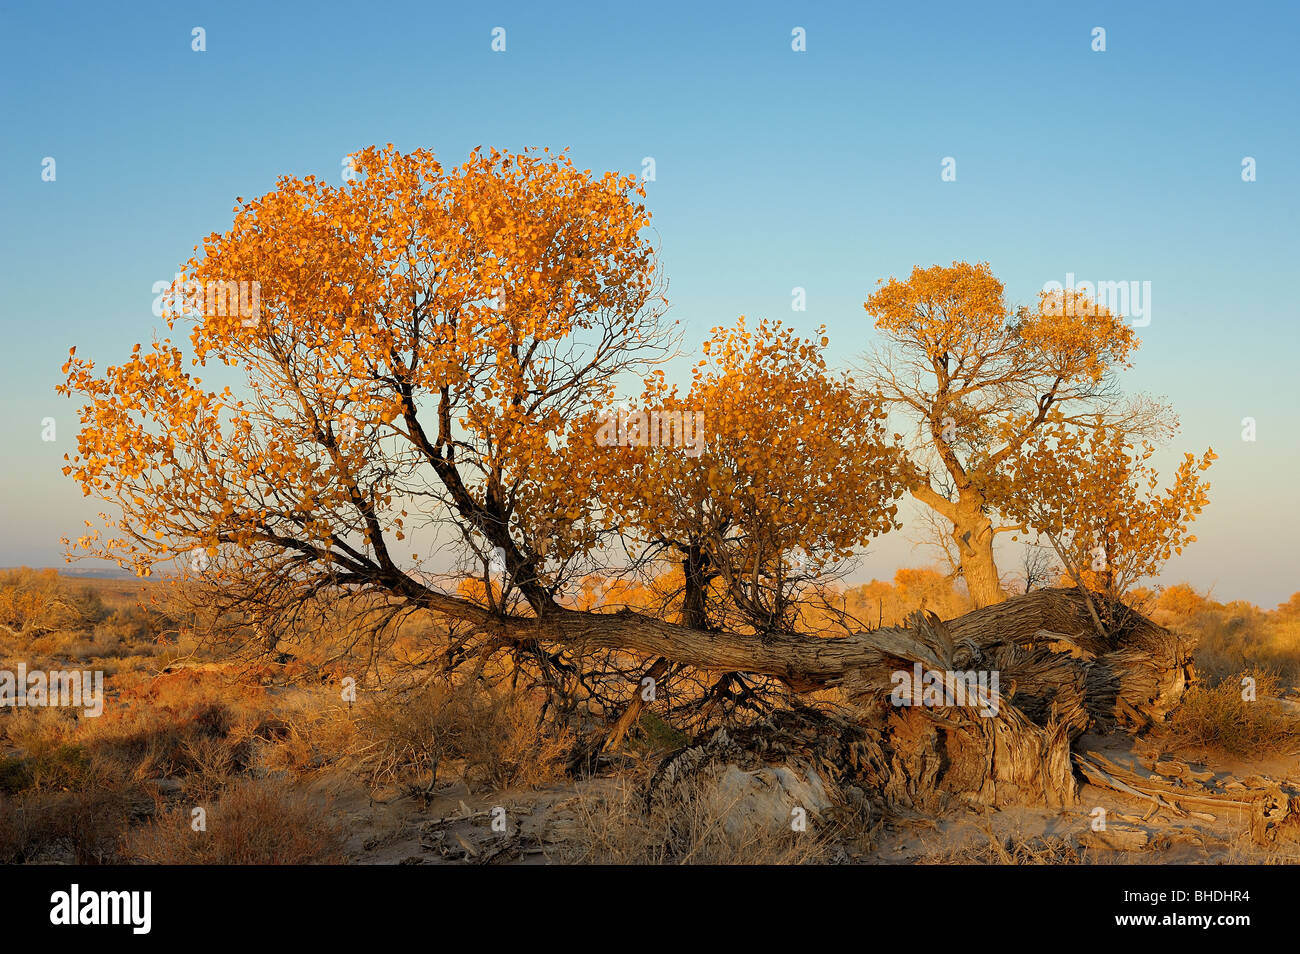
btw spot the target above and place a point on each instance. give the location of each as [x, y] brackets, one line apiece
[774, 169]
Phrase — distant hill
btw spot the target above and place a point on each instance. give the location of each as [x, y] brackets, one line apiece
[88, 572]
[96, 573]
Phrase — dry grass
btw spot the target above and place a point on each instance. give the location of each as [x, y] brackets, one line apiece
[614, 827]
[121, 787]
[1241, 637]
[495, 735]
[309, 732]
[1012, 849]
[1234, 636]
[81, 827]
[1219, 719]
[1243, 850]
[199, 728]
[74, 788]
[253, 823]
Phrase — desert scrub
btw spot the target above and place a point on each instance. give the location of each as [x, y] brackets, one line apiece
[80, 827]
[1008, 849]
[1218, 718]
[65, 767]
[653, 734]
[50, 755]
[1239, 636]
[36, 602]
[499, 737]
[183, 724]
[613, 825]
[253, 823]
[1234, 636]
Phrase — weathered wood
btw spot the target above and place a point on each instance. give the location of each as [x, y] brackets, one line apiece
[1276, 807]
[1146, 665]
[1056, 678]
[1271, 805]
[1131, 678]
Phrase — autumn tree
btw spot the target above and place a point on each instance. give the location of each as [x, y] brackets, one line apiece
[1093, 493]
[977, 379]
[879, 603]
[793, 473]
[432, 349]
[423, 334]
[1182, 601]
[785, 472]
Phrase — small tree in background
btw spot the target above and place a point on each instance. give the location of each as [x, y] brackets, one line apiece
[979, 379]
[1092, 493]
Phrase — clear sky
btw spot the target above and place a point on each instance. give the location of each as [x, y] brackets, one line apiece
[774, 169]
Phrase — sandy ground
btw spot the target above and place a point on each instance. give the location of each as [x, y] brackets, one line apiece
[455, 826]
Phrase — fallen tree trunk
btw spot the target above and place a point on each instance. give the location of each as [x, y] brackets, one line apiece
[982, 709]
[918, 760]
[1132, 676]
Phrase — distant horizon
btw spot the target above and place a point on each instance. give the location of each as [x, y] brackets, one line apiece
[117, 573]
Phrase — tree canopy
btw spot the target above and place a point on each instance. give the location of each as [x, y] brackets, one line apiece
[443, 349]
[980, 381]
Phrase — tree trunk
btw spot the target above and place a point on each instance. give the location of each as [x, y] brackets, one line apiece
[632, 713]
[696, 579]
[973, 533]
[1057, 677]
[1135, 674]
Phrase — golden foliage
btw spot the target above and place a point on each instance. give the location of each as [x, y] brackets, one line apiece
[412, 287]
[796, 472]
[1093, 485]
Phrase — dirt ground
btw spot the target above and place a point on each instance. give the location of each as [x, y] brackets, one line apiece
[455, 826]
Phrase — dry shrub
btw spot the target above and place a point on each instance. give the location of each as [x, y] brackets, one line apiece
[64, 645]
[1015, 849]
[1240, 637]
[1218, 718]
[614, 826]
[254, 823]
[35, 602]
[81, 827]
[200, 730]
[48, 757]
[1242, 849]
[498, 736]
[136, 624]
[1234, 636]
[1178, 604]
[308, 743]
[210, 763]
[189, 724]
[63, 767]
